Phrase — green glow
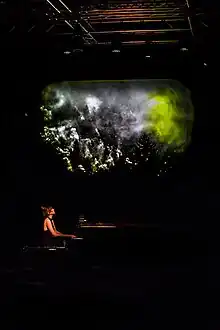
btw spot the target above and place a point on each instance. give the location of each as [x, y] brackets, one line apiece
[167, 120]
[162, 109]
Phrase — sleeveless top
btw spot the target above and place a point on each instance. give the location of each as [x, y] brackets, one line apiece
[47, 236]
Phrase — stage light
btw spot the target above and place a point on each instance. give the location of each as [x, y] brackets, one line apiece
[184, 49]
[77, 50]
[116, 46]
[67, 52]
[147, 56]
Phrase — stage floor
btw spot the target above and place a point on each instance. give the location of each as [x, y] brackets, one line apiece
[130, 273]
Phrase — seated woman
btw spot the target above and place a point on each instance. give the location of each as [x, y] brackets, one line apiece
[49, 227]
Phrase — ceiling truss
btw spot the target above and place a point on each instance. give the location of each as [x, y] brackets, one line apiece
[133, 23]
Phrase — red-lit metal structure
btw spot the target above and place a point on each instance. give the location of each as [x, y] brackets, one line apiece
[127, 22]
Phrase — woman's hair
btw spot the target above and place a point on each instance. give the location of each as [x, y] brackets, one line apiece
[46, 210]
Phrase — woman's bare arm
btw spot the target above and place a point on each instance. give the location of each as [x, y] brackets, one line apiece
[54, 232]
[55, 227]
[61, 234]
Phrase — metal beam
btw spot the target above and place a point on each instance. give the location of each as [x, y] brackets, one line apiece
[189, 19]
[103, 22]
[88, 36]
[62, 3]
[139, 31]
[138, 21]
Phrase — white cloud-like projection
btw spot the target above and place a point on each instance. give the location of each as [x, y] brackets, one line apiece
[107, 121]
[93, 103]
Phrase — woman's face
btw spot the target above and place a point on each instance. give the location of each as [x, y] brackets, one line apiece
[51, 212]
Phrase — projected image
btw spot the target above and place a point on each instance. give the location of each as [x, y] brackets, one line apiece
[96, 125]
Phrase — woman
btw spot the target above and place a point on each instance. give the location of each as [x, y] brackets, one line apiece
[49, 227]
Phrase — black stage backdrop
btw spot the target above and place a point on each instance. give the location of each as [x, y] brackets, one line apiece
[32, 174]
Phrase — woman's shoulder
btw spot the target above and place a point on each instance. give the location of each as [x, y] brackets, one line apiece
[47, 219]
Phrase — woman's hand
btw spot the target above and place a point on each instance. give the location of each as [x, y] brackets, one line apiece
[73, 236]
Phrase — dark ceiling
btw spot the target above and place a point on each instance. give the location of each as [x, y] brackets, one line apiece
[78, 24]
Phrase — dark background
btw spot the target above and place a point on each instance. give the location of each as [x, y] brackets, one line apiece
[33, 174]
[167, 272]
